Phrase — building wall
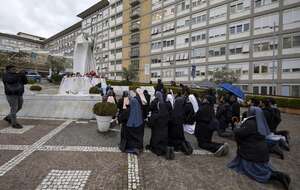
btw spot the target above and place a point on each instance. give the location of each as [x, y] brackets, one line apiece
[236, 34]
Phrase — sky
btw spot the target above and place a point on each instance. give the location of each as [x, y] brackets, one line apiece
[40, 17]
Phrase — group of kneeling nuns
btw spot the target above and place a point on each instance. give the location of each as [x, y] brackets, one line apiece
[167, 118]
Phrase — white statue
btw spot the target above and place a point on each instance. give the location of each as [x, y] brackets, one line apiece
[83, 59]
[83, 63]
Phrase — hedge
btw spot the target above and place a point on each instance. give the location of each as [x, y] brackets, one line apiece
[94, 90]
[280, 101]
[35, 88]
[105, 109]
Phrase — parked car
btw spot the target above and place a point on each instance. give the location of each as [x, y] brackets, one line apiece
[33, 76]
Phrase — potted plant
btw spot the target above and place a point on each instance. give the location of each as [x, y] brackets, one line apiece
[104, 111]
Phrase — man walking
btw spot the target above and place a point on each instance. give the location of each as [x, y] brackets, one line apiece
[14, 89]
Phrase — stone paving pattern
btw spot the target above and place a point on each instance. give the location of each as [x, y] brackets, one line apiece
[79, 147]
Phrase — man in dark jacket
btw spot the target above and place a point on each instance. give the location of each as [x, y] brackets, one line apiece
[14, 89]
[159, 87]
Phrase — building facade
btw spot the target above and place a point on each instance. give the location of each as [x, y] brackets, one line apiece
[63, 43]
[20, 42]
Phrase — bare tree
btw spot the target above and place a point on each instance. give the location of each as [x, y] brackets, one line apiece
[225, 75]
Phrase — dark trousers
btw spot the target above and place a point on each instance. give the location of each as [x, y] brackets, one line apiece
[15, 103]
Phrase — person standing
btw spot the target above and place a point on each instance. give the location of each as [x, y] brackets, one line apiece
[159, 87]
[14, 89]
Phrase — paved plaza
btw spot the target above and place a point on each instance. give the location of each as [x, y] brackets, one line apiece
[70, 154]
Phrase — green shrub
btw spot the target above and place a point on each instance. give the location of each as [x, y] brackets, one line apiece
[35, 88]
[280, 101]
[56, 79]
[105, 109]
[94, 90]
[30, 81]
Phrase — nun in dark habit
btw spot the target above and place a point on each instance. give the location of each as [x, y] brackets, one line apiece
[176, 136]
[133, 132]
[159, 119]
[206, 124]
[252, 150]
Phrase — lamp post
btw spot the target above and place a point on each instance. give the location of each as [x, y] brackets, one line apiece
[273, 60]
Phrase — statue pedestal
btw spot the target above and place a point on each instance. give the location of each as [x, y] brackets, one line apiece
[78, 85]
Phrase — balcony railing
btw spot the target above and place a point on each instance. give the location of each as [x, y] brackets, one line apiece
[134, 2]
[135, 27]
[134, 54]
[134, 40]
[135, 13]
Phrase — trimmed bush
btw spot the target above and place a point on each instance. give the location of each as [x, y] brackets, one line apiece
[105, 109]
[56, 79]
[94, 90]
[30, 81]
[280, 101]
[35, 88]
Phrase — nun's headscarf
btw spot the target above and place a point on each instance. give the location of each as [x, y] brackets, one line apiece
[170, 99]
[159, 96]
[140, 93]
[194, 102]
[135, 114]
[262, 125]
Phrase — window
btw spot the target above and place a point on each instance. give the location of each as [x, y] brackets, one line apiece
[216, 32]
[218, 12]
[182, 56]
[239, 6]
[266, 44]
[157, 16]
[197, 3]
[256, 69]
[168, 58]
[198, 36]
[264, 90]
[198, 53]
[255, 89]
[169, 27]
[239, 28]
[169, 12]
[184, 5]
[199, 18]
[156, 30]
[260, 3]
[168, 43]
[296, 90]
[184, 22]
[291, 41]
[239, 48]
[217, 51]
[156, 45]
[291, 16]
[266, 22]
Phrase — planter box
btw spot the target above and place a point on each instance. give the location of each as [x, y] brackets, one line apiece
[103, 123]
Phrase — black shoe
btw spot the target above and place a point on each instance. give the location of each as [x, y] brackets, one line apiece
[283, 178]
[284, 145]
[276, 150]
[186, 148]
[7, 119]
[17, 126]
[170, 153]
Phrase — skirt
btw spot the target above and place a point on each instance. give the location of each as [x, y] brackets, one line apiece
[260, 172]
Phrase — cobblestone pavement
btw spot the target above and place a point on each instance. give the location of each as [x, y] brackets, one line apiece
[65, 154]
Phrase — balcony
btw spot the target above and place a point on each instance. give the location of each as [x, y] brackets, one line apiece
[134, 54]
[134, 2]
[135, 40]
[135, 27]
[135, 13]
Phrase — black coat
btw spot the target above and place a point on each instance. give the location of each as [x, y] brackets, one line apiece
[14, 83]
[273, 118]
[251, 144]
